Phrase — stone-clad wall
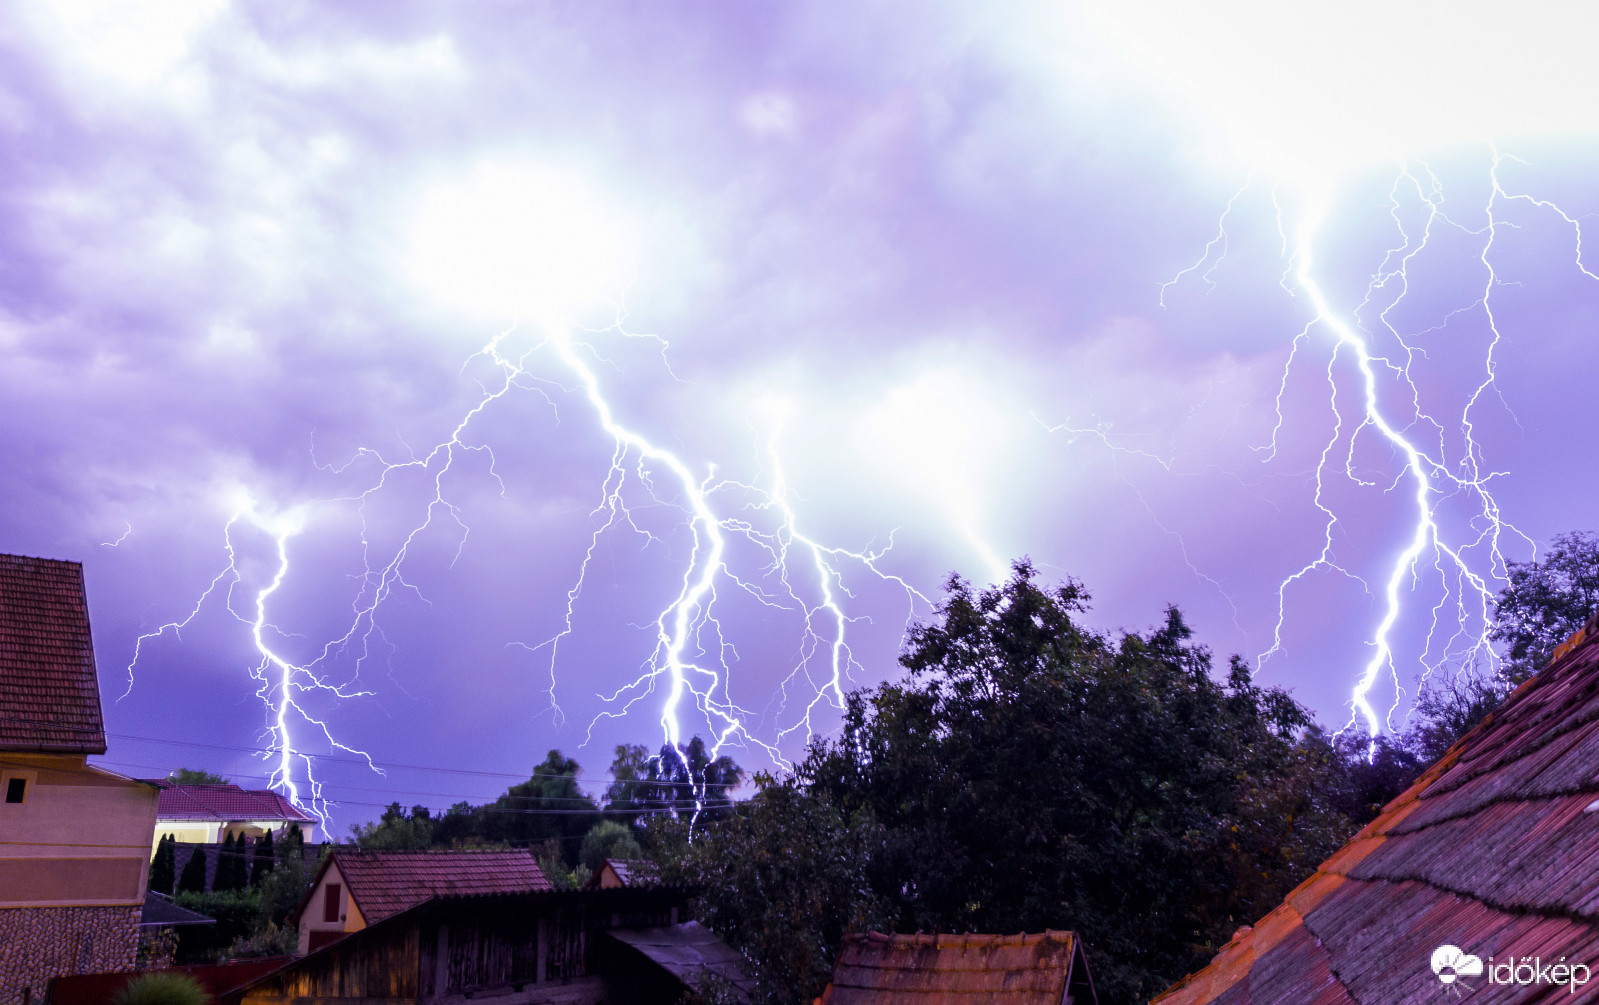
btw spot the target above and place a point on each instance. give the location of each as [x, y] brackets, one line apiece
[38, 943]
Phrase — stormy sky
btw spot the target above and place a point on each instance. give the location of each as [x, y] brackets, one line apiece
[526, 328]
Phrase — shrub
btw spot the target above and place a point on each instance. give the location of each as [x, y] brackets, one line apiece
[162, 987]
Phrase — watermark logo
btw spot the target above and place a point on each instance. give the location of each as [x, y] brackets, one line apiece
[1451, 964]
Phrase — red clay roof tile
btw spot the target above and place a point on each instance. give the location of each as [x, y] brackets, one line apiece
[224, 802]
[49, 694]
[384, 883]
[1493, 850]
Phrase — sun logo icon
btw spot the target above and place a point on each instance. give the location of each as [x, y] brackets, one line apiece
[1450, 963]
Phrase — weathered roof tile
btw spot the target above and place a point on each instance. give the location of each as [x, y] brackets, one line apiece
[49, 694]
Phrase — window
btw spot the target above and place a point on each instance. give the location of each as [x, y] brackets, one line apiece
[330, 902]
[15, 789]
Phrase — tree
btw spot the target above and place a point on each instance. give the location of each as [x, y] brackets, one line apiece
[1545, 602]
[192, 879]
[194, 776]
[229, 871]
[163, 865]
[785, 877]
[264, 860]
[608, 839]
[548, 805]
[672, 781]
[1030, 773]
[396, 830]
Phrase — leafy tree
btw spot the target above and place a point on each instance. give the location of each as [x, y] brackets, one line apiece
[192, 879]
[264, 860]
[785, 878]
[608, 839]
[396, 830]
[237, 914]
[548, 805]
[194, 776]
[163, 865]
[672, 781]
[1031, 773]
[1545, 602]
[1448, 707]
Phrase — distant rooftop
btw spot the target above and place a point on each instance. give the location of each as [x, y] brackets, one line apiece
[49, 695]
[1046, 968]
[384, 883]
[224, 802]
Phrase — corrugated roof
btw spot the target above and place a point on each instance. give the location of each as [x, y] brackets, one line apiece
[224, 802]
[688, 952]
[1494, 850]
[384, 883]
[49, 695]
[877, 969]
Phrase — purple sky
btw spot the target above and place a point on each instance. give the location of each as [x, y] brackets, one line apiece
[897, 274]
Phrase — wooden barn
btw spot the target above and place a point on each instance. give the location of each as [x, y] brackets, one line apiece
[520, 949]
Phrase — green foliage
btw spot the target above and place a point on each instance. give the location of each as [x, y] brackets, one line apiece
[1545, 602]
[521, 817]
[282, 889]
[193, 878]
[163, 865]
[785, 878]
[1448, 707]
[237, 913]
[193, 776]
[672, 781]
[163, 987]
[608, 839]
[264, 860]
[1029, 774]
[396, 830]
[269, 941]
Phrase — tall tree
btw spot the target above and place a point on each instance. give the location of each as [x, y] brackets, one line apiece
[263, 861]
[163, 865]
[672, 781]
[550, 804]
[1545, 602]
[226, 876]
[193, 876]
[1031, 773]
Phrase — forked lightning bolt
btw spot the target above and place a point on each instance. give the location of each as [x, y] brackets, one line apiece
[1436, 462]
[690, 665]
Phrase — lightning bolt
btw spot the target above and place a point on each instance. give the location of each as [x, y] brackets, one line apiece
[691, 662]
[1375, 399]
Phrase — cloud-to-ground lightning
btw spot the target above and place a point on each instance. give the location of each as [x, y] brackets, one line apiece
[688, 671]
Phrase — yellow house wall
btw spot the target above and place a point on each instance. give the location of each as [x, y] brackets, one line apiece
[81, 836]
[350, 919]
[209, 832]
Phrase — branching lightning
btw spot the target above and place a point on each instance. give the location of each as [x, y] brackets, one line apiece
[692, 661]
[1377, 408]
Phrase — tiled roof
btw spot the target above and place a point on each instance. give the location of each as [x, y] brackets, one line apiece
[631, 872]
[224, 802]
[383, 883]
[49, 696]
[875, 969]
[1494, 850]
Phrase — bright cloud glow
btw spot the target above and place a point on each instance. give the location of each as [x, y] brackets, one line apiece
[1314, 89]
[520, 241]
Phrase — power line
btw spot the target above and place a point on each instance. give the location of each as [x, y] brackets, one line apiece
[392, 764]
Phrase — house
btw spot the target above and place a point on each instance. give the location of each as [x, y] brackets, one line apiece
[208, 814]
[529, 948]
[1049, 968]
[354, 889]
[614, 872]
[1481, 880]
[74, 838]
